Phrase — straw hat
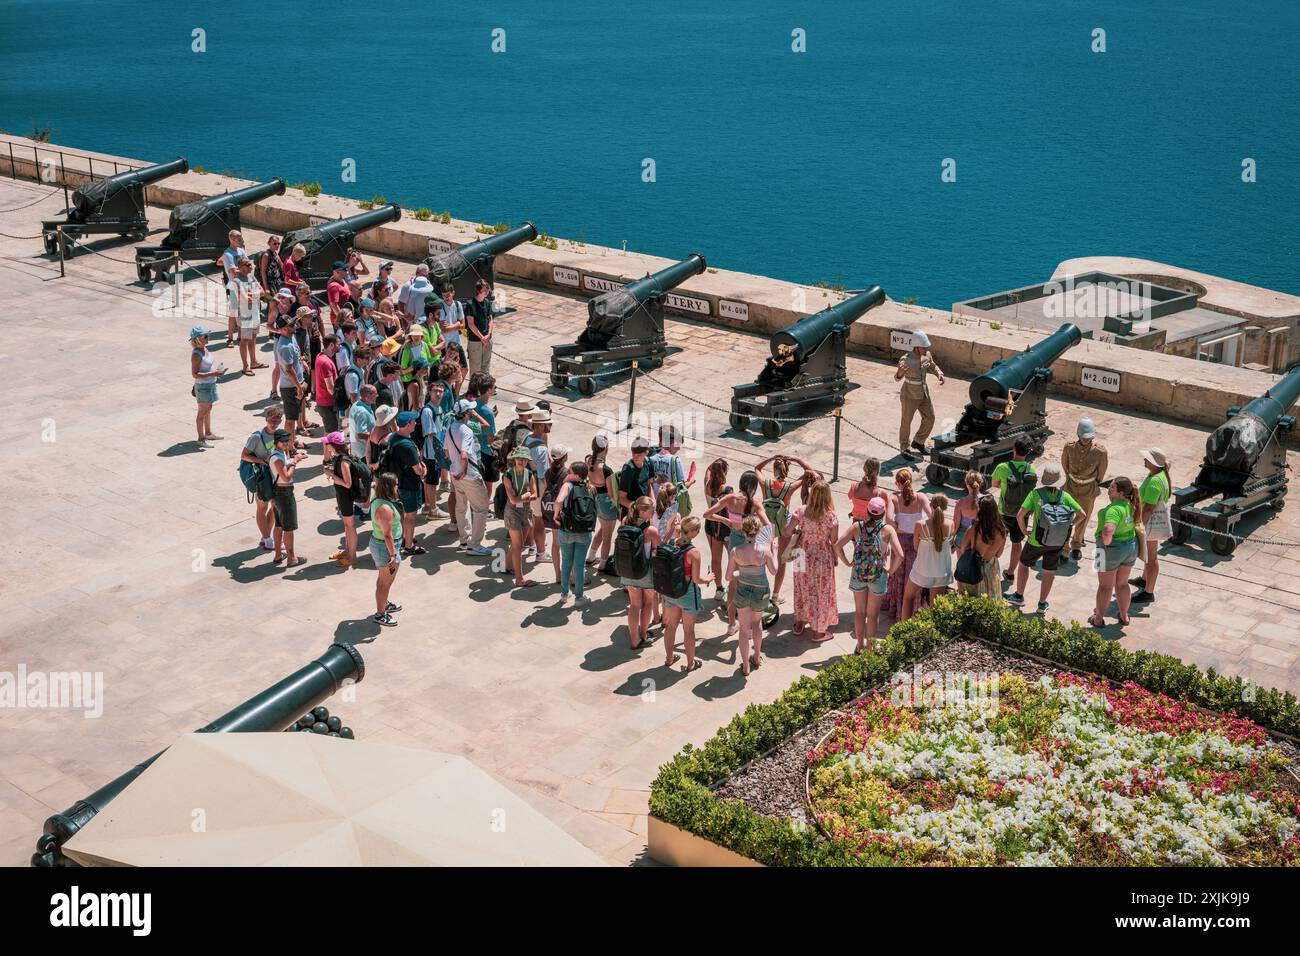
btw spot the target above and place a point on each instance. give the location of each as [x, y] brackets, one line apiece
[525, 408]
[385, 414]
[541, 417]
[1051, 477]
[1156, 457]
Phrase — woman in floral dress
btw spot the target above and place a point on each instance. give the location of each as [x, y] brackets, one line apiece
[815, 605]
[910, 508]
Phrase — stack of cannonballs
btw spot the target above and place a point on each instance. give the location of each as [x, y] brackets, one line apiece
[319, 721]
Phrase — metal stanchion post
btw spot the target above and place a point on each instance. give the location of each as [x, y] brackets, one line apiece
[13, 166]
[58, 234]
[631, 398]
[835, 468]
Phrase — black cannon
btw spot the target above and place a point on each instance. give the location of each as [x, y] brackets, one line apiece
[111, 205]
[463, 267]
[1008, 402]
[200, 230]
[807, 365]
[273, 709]
[1244, 466]
[329, 242]
[623, 326]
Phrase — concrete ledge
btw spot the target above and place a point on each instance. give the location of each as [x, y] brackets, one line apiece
[674, 846]
[1154, 383]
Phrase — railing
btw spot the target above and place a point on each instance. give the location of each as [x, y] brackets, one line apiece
[38, 165]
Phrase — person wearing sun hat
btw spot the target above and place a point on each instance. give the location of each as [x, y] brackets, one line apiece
[383, 427]
[1154, 494]
[1084, 462]
[414, 358]
[521, 489]
[1049, 506]
[915, 394]
[205, 372]
[340, 468]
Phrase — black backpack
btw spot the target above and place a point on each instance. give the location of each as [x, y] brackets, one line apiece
[341, 399]
[1018, 485]
[362, 479]
[579, 512]
[548, 504]
[669, 565]
[386, 455]
[630, 560]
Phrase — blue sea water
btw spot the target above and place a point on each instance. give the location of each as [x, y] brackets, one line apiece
[816, 166]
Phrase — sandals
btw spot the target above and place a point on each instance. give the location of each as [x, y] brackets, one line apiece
[527, 583]
[248, 371]
[1092, 619]
[693, 666]
[672, 660]
[1124, 621]
[260, 365]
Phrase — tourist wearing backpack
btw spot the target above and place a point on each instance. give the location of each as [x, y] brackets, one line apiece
[575, 506]
[255, 472]
[520, 485]
[1013, 480]
[1154, 494]
[433, 432]
[749, 563]
[634, 546]
[465, 464]
[552, 483]
[1053, 510]
[601, 478]
[876, 553]
[678, 574]
[777, 491]
[401, 457]
[350, 490]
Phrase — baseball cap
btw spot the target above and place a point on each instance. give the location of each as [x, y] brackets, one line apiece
[405, 418]
[464, 407]
[876, 506]
[338, 264]
[385, 264]
[281, 435]
[336, 438]
[286, 292]
[198, 331]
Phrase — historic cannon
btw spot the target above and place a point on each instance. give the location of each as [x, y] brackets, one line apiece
[463, 267]
[273, 709]
[623, 325]
[807, 365]
[111, 205]
[200, 230]
[329, 242]
[1008, 402]
[1244, 466]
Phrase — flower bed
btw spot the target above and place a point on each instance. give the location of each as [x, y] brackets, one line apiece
[685, 793]
[1064, 771]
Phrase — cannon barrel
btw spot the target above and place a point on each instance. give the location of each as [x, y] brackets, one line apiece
[667, 278]
[1018, 371]
[90, 196]
[1237, 443]
[502, 242]
[273, 709]
[809, 332]
[238, 198]
[351, 225]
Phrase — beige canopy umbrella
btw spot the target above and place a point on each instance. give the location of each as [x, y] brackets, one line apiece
[302, 799]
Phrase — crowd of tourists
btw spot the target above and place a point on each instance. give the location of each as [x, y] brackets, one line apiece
[399, 376]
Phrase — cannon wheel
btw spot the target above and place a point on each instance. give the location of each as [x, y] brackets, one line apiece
[770, 615]
[936, 475]
[739, 422]
[1222, 544]
[586, 385]
[1182, 533]
[771, 428]
[559, 380]
[48, 239]
[652, 362]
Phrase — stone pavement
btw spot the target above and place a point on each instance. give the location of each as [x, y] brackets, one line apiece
[134, 555]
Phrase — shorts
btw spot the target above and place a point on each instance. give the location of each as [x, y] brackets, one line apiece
[518, 517]
[752, 598]
[379, 551]
[1013, 529]
[606, 509]
[286, 508]
[250, 322]
[691, 603]
[432, 472]
[1121, 554]
[411, 498]
[343, 501]
[1051, 556]
[205, 392]
[877, 586]
[646, 583]
[329, 416]
[291, 402]
[735, 539]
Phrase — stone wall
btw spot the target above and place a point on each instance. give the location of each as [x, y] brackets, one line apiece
[1165, 385]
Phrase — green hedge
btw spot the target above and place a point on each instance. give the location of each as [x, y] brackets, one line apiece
[682, 793]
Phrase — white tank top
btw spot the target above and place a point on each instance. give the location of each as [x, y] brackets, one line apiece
[908, 520]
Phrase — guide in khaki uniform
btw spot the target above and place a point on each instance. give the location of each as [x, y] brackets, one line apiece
[915, 394]
[1084, 462]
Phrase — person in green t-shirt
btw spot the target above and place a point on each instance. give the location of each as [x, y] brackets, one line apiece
[1153, 494]
[1001, 478]
[1048, 492]
[1116, 549]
